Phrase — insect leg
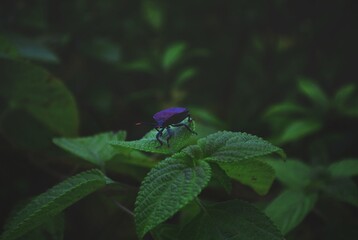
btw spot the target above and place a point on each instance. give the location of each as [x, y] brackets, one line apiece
[186, 126]
[159, 134]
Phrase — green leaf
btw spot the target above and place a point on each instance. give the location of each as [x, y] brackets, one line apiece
[290, 208]
[343, 94]
[345, 168]
[153, 14]
[293, 173]
[167, 188]
[313, 92]
[184, 76]
[283, 108]
[254, 173]
[181, 138]
[52, 202]
[95, 149]
[299, 129]
[221, 176]
[173, 54]
[31, 88]
[343, 189]
[234, 220]
[7, 49]
[226, 147]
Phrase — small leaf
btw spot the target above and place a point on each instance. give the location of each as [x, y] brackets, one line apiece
[299, 129]
[221, 176]
[343, 94]
[181, 138]
[234, 220]
[229, 147]
[53, 201]
[173, 54]
[313, 92]
[31, 88]
[167, 188]
[254, 173]
[345, 168]
[293, 173]
[284, 108]
[184, 76]
[290, 208]
[153, 14]
[343, 189]
[95, 149]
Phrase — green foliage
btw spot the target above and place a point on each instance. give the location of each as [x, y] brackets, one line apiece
[167, 188]
[173, 54]
[234, 219]
[293, 173]
[34, 90]
[344, 168]
[94, 149]
[299, 129]
[228, 147]
[221, 177]
[254, 173]
[53, 202]
[342, 189]
[313, 92]
[181, 138]
[290, 208]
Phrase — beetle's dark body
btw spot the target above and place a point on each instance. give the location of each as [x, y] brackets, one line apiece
[170, 117]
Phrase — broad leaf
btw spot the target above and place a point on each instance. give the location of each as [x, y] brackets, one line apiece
[167, 188]
[254, 173]
[52, 202]
[173, 54]
[226, 147]
[299, 129]
[234, 220]
[313, 92]
[343, 189]
[221, 177]
[181, 138]
[292, 173]
[290, 208]
[343, 94]
[345, 168]
[31, 88]
[95, 149]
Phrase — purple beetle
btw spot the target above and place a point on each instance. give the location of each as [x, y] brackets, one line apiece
[170, 117]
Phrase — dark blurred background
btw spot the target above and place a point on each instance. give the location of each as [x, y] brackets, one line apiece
[283, 70]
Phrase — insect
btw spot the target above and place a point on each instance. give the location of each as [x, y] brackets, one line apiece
[167, 118]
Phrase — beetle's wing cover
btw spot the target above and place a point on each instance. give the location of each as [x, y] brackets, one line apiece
[162, 116]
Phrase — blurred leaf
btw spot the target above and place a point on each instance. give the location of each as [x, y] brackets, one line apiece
[184, 76]
[52, 202]
[95, 149]
[173, 54]
[165, 232]
[181, 138]
[7, 49]
[24, 131]
[167, 188]
[343, 189]
[153, 14]
[234, 220]
[313, 92]
[34, 50]
[233, 147]
[34, 90]
[344, 168]
[254, 173]
[102, 49]
[206, 117]
[292, 173]
[343, 94]
[290, 208]
[221, 176]
[299, 129]
[283, 108]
